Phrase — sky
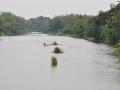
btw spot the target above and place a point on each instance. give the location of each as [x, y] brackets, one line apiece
[51, 8]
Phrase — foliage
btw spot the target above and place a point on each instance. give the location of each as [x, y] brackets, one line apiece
[54, 43]
[38, 24]
[11, 24]
[104, 27]
[53, 61]
[57, 50]
[117, 50]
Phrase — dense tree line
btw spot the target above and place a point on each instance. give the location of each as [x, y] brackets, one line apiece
[38, 24]
[104, 27]
[11, 24]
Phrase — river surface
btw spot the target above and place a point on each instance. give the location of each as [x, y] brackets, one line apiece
[25, 64]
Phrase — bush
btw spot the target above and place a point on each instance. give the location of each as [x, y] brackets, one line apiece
[53, 61]
[55, 43]
[57, 50]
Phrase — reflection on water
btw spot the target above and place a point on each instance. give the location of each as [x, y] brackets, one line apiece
[25, 64]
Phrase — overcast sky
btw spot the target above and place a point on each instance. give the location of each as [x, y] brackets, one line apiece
[51, 8]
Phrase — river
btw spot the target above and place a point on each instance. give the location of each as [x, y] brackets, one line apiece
[25, 64]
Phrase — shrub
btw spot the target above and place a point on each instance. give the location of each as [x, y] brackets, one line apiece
[53, 61]
[57, 50]
[55, 43]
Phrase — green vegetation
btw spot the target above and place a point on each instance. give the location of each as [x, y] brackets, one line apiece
[38, 24]
[57, 50]
[54, 61]
[54, 43]
[104, 27]
[117, 50]
[11, 24]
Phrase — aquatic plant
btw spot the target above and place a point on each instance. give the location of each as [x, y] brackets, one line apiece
[57, 50]
[53, 61]
[55, 43]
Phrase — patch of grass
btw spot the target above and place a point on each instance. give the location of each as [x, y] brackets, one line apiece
[53, 61]
[57, 50]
